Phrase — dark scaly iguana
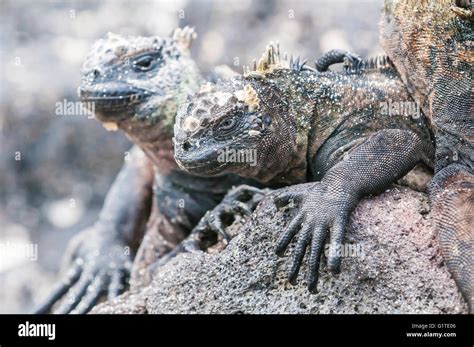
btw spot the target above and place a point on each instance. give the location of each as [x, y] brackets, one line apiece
[135, 85]
[430, 43]
[327, 128]
[434, 61]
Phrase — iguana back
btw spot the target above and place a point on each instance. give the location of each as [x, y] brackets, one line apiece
[430, 44]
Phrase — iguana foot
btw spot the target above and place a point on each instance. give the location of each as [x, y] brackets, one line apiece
[319, 209]
[97, 264]
[335, 56]
[239, 201]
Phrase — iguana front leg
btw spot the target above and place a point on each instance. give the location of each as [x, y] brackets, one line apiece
[97, 260]
[326, 205]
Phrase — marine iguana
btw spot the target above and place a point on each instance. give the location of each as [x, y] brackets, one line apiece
[304, 120]
[135, 85]
[327, 128]
[430, 43]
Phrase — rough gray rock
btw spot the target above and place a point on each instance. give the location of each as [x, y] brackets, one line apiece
[399, 269]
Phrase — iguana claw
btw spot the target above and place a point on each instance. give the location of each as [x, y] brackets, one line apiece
[241, 200]
[318, 212]
[97, 265]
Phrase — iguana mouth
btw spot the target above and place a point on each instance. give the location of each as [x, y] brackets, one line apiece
[112, 96]
[204, 160]
[207, 168]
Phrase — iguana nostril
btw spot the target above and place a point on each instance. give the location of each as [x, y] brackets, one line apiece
[96, 73]
[186, 145]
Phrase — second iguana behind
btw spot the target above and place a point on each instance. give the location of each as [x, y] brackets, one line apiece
[136, 84]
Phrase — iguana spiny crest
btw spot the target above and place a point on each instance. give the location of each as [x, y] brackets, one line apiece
[271, 60]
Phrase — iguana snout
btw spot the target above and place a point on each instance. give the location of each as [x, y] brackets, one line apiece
[109, 98]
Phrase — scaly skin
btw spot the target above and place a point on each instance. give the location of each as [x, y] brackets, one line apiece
[336, 56]
[433, 55]
[325, 128]
[136, 84]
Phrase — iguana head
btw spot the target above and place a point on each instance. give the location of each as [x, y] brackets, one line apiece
[242, 125]
[136, 81]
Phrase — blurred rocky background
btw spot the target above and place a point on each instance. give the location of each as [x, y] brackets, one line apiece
[55, 170]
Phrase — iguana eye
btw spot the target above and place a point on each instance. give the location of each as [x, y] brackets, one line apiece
[144, 63]
[227, 124]
[267, 120]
